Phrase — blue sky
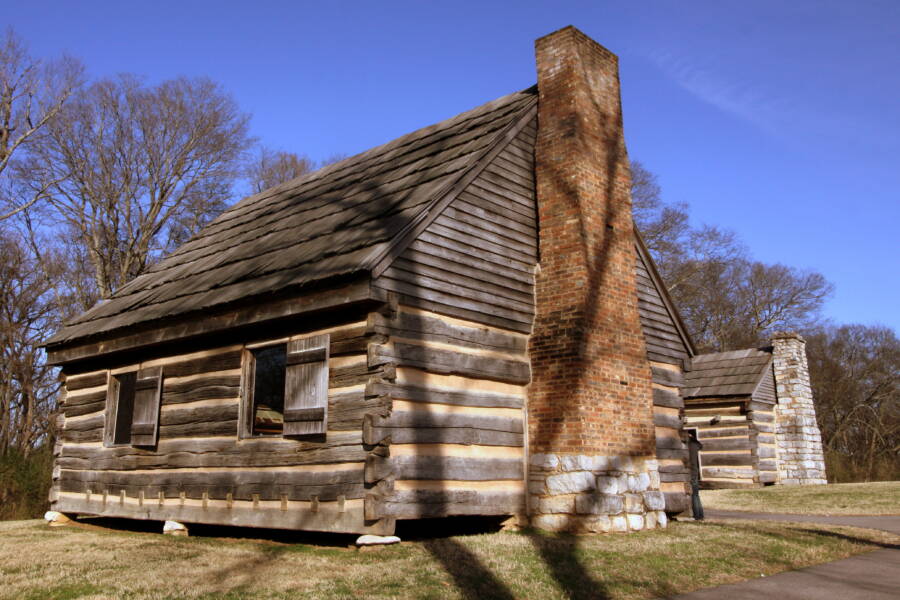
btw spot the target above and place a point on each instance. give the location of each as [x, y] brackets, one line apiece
[780, 120]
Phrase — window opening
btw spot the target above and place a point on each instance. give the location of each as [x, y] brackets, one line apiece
[124, 407]
[268, 390]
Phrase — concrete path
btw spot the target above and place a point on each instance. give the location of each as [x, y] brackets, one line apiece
[870, 576]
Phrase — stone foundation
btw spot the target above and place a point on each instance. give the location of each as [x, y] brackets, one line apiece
[798, 441]
[584, 493]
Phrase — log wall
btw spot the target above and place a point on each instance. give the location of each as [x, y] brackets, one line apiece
[725, 427]
[671, 450]
[201, 470]
[455, 437]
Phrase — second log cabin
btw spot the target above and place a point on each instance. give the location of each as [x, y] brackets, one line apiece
[460, 322]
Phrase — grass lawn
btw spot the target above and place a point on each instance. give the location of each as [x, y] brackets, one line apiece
[880, 498]
[80, 561]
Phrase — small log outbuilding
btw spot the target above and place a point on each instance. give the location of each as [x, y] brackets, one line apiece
[753, 412]
[448, 324]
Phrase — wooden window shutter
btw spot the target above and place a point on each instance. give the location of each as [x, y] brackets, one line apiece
[306, 386]
[147, 395]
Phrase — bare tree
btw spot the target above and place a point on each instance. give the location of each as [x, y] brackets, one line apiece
[29, 313]
[32, 93]
[727, 300]
[272, 167]
[855, 373]
[133, 170]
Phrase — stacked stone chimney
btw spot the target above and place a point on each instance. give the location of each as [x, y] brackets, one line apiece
[591, 434]
[798, 442]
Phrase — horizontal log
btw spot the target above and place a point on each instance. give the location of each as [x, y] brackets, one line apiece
[268, 484]
[208, 364]
[457, 468]
[704, 434]
[765, 452]
[764, 427]
[726, 473]
[84, 409]
[359, 374]
[767, 465]
[716, 460]
[435, 329]
[677, 502]
[763, 417]
[674, 443]
[681, 468]
[420, 504]
[213, 387]
[714, 444]
[338, 447]
[82, 399]
[765, 438]
[326, 518]
[443, 428]
[447, 362]
[378, 468]
[667, 377]
[74, 382]
[734, 484]
[768, 476]
[670, 421]
[674, 477]
[667, 399]
[441, 396]
[672, 453]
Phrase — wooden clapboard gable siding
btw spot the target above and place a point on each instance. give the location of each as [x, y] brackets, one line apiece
[664, 335]
[476, 259]
[199, 457]
[765, 391]
[457, 415]
[334, 222]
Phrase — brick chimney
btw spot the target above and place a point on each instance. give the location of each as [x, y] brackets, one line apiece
[798, 441]
[592, 460]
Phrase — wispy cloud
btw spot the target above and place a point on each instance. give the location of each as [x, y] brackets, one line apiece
[743, 99]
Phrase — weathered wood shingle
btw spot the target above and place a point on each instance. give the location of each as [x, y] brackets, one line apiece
[734, 373]
[331, 223]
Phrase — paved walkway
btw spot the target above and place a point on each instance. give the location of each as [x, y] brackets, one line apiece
[870, 576]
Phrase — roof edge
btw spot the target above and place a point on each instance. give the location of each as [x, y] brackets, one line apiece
[353, 291]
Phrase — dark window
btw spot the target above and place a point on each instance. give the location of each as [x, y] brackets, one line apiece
[268, 390]
[124, 407]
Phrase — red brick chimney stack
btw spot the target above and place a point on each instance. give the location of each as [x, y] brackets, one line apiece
[591, 432]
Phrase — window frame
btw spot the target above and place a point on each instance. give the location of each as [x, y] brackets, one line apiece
[247, 410]
[113, 403]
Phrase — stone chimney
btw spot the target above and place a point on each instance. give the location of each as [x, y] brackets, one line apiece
[798, 441]
[591, 433]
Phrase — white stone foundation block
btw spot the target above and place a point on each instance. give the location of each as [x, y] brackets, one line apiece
[619, 524]
[175, 528]
[56, 519]
[377, 540]
[571, 483]
[635, 522]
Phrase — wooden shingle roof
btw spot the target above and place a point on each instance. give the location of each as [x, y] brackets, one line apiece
[333, 223]
[734, 373]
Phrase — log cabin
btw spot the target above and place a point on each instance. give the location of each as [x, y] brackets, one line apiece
[753, 412]
[462, 321]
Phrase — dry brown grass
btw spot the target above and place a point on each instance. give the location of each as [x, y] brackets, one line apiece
[879, 498]
[94, 563]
